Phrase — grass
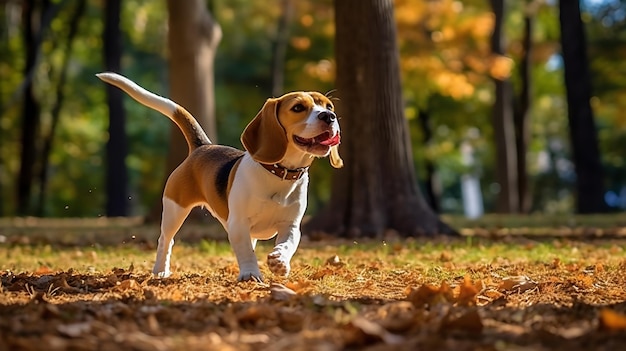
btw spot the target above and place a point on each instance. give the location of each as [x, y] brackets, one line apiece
[567, 292]
[436, 260]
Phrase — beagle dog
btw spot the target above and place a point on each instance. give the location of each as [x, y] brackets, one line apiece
[259, 193]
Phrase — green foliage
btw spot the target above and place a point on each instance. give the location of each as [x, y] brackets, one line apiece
[446, 70]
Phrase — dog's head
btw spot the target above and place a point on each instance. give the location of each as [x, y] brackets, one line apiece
[303, 120]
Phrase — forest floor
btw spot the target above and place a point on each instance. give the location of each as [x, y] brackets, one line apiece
[562, 290]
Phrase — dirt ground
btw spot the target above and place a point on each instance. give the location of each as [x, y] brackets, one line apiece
[456, 295]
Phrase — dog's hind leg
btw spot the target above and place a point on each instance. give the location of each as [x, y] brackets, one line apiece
[173, 217]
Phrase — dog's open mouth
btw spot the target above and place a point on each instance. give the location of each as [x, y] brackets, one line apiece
[326, 139]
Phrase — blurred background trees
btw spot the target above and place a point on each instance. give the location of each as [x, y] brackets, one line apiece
[54, 113]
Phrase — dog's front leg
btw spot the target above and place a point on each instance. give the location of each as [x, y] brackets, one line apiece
[240, 241]
[287, 242]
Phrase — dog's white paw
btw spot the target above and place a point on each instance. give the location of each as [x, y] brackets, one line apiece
[161, 275]
[250, 275]
[278, 264]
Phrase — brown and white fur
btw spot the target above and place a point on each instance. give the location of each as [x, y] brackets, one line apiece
[249, 200]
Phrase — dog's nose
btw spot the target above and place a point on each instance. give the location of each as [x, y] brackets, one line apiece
[327, 116]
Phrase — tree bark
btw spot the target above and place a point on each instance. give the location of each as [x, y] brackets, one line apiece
[117, 145]
[583, 133]
[503, 128]
[376, 192]
[192, 40]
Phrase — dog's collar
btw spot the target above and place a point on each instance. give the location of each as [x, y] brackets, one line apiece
[285, 173]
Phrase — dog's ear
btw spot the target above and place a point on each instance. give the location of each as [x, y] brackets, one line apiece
[264, 137]
[335, 159]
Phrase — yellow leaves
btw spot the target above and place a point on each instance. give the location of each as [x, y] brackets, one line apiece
[452, 84]
[125, 285]
[468, 292]
[301, 43]
[463, 295]
[501, 67]
[323, 70]
[583, 281]
[430, 295]
[408, 15]
[482, 26]
[306, 20]
[611, 320]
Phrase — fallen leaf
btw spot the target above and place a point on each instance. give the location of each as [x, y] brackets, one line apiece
[428, 294]
[611, 320]
[469, 321]
[74, 330]
[291, 319]
[43, 270]
[280, 292]
[492, 295]
[370, 328]
[445, 256]
[518, 284]
[64, 286]
[176, 295]
[255, 313]
[322, 273]
[128, 284]
[583, 281]
[334, 261]
[300, 286]
[599, 267]
[468, 292]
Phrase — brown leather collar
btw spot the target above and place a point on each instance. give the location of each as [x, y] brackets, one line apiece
[285, 173]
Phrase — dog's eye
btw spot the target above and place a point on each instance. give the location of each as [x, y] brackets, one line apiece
[298, 108]
[329, 107]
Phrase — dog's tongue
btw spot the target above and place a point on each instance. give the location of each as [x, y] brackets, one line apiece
[332, 141]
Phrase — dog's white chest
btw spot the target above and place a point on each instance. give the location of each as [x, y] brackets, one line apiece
[276, 208]
[265, 201]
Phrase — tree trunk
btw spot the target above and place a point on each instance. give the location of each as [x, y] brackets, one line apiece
[117, 145]
[583, 134]
[503, 127]
[33, 14]
[280, 47]
[56, 108]
[522, 113]
[376, 192]
[192, 39]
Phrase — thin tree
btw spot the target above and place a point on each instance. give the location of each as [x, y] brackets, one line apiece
[279, 49]
[431, 183]
[521, 116]
[55, 112]
[503, 126]
[117, 145]
[582, 129]
[192, 41]
[376, 192]
[34, 15]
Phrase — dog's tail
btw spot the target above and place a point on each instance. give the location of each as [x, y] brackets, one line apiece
[190, 127]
